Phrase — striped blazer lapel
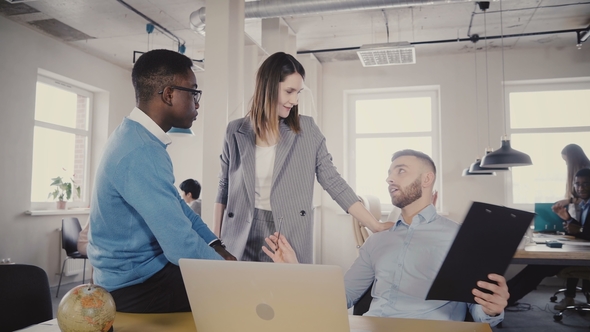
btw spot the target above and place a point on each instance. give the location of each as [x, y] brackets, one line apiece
[246, 142]
[283, 149]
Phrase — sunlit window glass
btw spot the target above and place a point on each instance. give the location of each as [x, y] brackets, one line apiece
[61, 138]
[544, 118]
[383, 123]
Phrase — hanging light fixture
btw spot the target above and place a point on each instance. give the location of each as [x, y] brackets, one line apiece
[474, 168]
[466, 172]
[506, 156]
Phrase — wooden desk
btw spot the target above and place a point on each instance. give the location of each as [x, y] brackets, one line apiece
[380, 324]
[183, 322]
[570, 255]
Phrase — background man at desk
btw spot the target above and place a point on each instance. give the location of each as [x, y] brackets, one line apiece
[531, 276]
[139, 225]
[403, 261]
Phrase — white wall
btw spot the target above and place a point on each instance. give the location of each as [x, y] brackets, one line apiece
[27, 239]
[456, 77]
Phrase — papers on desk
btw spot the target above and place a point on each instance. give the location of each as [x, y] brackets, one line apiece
[565, 239]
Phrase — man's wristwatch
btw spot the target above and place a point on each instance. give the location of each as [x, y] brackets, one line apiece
[217, 243]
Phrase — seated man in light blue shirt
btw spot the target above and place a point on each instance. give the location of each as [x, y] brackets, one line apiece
[403, 261]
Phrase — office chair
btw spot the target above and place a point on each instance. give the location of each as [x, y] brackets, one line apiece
[578, 272]
[25, 298]
[70, 230]
[363, 303]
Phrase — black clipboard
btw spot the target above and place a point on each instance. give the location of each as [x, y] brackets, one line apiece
[485, 243]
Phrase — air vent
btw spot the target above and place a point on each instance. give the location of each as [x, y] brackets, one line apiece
[387, 54]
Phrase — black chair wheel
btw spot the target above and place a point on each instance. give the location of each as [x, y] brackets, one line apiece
[557, 318]
[553, 298]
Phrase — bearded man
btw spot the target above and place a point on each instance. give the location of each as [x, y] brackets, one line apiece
[402, 262]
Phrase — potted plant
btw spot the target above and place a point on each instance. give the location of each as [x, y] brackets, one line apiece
[63, 191]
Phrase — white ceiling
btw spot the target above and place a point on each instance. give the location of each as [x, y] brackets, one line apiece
[115, 31]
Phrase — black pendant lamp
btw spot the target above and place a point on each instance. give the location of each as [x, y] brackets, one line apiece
[476, 166]
[476, 170]
[505, 156]
[466, 172]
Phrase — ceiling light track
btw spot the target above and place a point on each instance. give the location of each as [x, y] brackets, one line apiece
[354, 48]
[539, 7]
[166, 32]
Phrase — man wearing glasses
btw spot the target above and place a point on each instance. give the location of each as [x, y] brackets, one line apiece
[139, 225]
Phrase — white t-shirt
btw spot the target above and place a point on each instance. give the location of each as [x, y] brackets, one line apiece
[265, 161]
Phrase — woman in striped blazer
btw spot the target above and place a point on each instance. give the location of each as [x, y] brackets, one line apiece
[268, 164]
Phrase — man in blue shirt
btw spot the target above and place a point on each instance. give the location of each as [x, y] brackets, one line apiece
[403, 261]
[139, 225]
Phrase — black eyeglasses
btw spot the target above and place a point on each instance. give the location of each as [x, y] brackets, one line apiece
[196, 93]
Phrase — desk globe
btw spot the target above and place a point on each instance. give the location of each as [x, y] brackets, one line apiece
[86, 308]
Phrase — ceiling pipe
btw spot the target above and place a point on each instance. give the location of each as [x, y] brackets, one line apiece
[274, 8]
[456, 40]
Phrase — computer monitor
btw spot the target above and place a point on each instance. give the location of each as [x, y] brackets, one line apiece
[546, 220]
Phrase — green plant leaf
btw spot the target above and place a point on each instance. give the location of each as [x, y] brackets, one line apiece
[63, 189]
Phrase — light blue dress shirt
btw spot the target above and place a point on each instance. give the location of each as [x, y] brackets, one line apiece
[404, 261]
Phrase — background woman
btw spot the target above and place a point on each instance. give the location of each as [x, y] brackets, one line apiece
[268, 164]
[575, 159]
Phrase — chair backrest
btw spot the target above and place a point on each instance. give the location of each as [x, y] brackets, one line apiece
[363, 303]
[70, 230]
[361, 233]
[25, 298]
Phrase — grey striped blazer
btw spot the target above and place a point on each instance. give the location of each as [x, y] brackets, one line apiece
[299, 157]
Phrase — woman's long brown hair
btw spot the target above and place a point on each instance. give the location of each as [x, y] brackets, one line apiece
[263, 112]
[576, 160]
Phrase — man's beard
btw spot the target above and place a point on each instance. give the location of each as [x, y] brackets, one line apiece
[408, 195]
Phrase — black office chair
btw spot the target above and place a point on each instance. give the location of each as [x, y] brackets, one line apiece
[577, 272]
[363, 303]
[70, 231]
[25, 298]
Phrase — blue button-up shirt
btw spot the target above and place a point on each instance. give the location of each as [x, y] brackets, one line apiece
[584, 207]
[403, 262]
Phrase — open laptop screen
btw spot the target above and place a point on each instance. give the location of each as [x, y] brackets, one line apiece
[265, 297]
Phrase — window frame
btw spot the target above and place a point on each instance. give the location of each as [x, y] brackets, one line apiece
[85, 190]
[580, 83]
[431, 91]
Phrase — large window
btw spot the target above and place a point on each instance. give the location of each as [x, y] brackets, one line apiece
[542, 118]
[61, 140]
[383, 122]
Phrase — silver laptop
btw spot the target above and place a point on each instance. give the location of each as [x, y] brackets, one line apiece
[265, 297]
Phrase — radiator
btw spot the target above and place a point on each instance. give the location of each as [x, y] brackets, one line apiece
[73, 266]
